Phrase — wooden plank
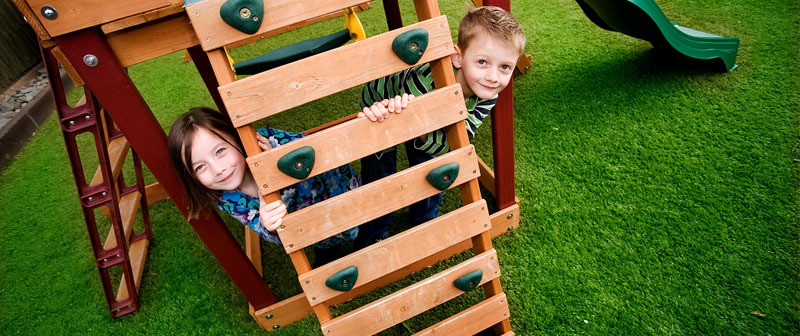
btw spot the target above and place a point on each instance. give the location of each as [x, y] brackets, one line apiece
[283, 313]
[473, 320]
[174, 7]
[128, 206]
[215, 33]
[291, 27]
[62, 59]
[505, 220]
[74, 15]
[327, 218]
[523, 65]
[117, 152]
[411, 301]
[32, 20]
[297, 83]
[155, 192]
[137, 255]
[360, 137]
[152, 40]
[400, 250]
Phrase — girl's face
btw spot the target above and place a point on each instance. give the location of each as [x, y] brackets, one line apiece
[217, 164]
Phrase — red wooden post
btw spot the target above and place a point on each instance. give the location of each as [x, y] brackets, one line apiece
[96, 63]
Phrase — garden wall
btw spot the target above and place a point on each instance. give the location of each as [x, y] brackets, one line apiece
[19, 50]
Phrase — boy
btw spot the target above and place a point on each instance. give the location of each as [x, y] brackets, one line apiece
[490, 41]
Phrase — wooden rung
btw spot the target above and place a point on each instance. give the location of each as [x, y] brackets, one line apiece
[505, 220]
[360, 137]
[128, 206]
[260, 96]
[473, 320]
[117, 152]
[327, 218]
[214, 33]
[71, 72]
[74, 15]
[510, 333]
[400, 251]
[283, 313]
[137, 255]
[411, 301]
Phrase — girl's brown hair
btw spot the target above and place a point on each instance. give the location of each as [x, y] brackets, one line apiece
[179, 149]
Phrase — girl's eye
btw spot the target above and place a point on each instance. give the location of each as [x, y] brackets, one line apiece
[199, 168]
[220, 151]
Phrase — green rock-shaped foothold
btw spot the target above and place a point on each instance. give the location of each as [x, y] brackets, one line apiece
[244, 15]
[343, 280]
[410, 46]
[297, 163]
[469, 281]
[442, 177]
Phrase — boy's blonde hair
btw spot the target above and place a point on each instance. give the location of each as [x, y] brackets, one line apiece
[495, 22]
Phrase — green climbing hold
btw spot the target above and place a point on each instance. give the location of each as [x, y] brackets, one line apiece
[244, 15]
[469, 281]
[343, 280]
[297, 163]
[442, 177]
[410, 46]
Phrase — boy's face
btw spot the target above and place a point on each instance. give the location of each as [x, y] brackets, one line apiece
[485, 66]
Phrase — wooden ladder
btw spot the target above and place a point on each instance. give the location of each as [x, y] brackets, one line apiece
[268, 93]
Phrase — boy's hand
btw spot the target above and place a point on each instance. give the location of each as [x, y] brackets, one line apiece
[271, 214]
[263, 142]
[380, 110]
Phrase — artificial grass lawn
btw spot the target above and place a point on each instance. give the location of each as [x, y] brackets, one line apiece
[657, 197]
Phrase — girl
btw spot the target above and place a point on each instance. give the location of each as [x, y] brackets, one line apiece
[208, 156]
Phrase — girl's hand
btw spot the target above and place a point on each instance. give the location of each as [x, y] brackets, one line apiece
[271, 214]
[263, 142]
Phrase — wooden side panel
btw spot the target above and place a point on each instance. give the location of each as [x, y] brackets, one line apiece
[215, 33]
[411, 301]
[399, 251]
[348, 210]
[360, 137]
[473, 320]
[128, 206]
[138, 255]
[505, 220]
[283, 313]
[297, 83]
[151, 41]
[78, 14]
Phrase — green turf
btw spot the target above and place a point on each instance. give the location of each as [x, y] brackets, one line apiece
[657, 197]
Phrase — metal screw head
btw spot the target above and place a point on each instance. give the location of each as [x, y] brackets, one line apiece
[72, 122]
[446, 178]
[414, 46]
[49, 13]
[510, 228]
[299, 165]
[345, 282]
[91, 198]
[104, 193]
[276, 327]
[87, 117]
[244, 12]
[511, 215]
[90, 60]
[105, 259]
[269, 316]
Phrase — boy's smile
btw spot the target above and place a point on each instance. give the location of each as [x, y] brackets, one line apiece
[486, 66]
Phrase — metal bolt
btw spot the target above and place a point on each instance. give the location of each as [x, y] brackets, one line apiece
[276, 327]
[510, 228]
[87, 117]
[511, 215]
[255, 18]
[105, 260]
[90, 60]
[414, 46]
[91, 198]
[456, 92]
[104, 193]
[345, 282]
[446, 178]
[117, 255]
[299, 165]
[72, 122]
[255, 164]
[264, 186]
[269, 316]
[244, 12]
[49, 13]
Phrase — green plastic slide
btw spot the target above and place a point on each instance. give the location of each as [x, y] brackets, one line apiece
[292, 53]
[644, 19]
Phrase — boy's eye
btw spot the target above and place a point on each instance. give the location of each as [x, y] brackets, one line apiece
[481, 62]
[505, 67]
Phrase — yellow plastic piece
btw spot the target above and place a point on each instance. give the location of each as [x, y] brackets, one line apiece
[230, 59]
[353, 24]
